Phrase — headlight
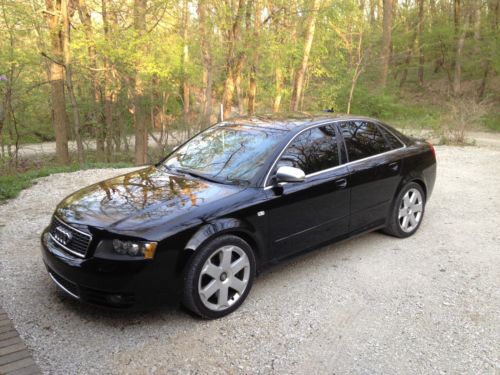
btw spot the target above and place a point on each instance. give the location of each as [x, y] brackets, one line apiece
[135, 248]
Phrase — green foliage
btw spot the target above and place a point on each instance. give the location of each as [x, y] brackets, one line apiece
[492, 121]
[11, 185]
[391, 108]
[156, 59]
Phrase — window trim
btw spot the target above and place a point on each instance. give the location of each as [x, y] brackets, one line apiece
[380, 125]
[336, 124]
[377, 126]
[337, 141]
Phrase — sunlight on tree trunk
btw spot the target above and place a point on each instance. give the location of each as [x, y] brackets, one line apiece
[386, 41]
[67, 13]
[298, 85]
[56, 78]
[206, 58]
[141, 134]
[186, 89]
[278, 88]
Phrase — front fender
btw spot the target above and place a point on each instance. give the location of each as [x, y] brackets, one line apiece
[219, 226]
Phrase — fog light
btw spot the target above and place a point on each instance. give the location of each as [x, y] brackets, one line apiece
[115, 299]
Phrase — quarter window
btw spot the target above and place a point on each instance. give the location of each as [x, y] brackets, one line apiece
[363, 139]
[312, 151]
[394, 143]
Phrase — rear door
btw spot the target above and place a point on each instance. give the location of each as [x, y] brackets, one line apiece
[375, 172]
[305, 214]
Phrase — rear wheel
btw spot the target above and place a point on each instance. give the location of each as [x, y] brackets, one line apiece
[408, 211]
[219, 277]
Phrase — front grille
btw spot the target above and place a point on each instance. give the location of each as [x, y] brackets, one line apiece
[68, 238]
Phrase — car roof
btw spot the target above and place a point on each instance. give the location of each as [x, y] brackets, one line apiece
[290, 121]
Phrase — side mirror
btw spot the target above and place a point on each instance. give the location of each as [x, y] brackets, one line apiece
[290, 174]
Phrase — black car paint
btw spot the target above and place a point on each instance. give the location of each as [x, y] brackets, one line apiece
[182, 212]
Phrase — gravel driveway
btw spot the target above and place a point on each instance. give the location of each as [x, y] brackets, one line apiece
[374, 304]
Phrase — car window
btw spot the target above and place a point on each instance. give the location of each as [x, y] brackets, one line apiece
[230, 153]
[363, 139]
[312, 151]
[394, 143]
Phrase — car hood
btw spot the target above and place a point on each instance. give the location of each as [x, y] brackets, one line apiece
[141, 199]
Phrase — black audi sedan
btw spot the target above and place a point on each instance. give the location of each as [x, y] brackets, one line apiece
[198, 226]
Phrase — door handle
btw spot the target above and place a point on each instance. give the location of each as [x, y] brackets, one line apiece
[341, 183]
[394, 166]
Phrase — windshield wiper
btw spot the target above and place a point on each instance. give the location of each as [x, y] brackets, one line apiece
[199, 175]
[173, 170]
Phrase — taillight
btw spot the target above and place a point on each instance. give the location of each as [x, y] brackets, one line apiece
[432, 149]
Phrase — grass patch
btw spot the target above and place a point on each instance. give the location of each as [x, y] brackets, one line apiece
[396, 111]
[12, 184]
[492, 121]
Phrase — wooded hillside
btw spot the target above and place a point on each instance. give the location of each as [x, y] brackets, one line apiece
[120, 70]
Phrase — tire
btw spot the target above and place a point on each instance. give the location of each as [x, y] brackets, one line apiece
[407, 211]
[219, 277]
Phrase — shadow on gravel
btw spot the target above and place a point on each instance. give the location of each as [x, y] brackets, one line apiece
[287, 271]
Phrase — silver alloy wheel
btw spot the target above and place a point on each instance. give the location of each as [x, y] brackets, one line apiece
[410, 210]
[224, 277]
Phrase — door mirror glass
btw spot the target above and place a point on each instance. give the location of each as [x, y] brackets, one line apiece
[290, 174]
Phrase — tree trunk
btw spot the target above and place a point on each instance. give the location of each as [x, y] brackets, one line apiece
[66, 14]
[357, 71]
[95, 112]
[185, 61]
[409, 55]
[278, 89]
[252, 89]
[141, 134]
[107, 93]
[237, 86]
[421, 58]
[457, 10]
[494, 8]
[372, 13]
[56, 78]
[206, 59]
[457, 77]
[386, 41]
[298, 85]
[234, 59]
[484, 81]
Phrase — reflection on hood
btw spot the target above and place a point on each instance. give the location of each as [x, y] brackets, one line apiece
[147, 195]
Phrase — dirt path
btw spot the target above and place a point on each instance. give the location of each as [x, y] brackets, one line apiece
[428, 304]
[483, 139]
[30, 150]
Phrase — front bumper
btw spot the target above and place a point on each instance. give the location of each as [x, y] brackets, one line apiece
[116, 284]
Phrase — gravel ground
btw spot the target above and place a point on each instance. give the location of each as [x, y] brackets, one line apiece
[374, 304]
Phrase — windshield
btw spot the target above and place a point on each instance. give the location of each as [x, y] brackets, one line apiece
[227, 154]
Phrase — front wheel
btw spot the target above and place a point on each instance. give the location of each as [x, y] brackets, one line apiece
[219, 277]
[407, 212]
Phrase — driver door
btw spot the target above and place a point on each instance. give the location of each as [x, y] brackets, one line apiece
[306, 214]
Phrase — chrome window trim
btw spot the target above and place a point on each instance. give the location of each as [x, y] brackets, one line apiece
[337, 166]
[392, 133]
[62, 286]
[65, 248]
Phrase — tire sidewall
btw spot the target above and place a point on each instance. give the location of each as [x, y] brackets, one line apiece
[196, 265]
[395, 216]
